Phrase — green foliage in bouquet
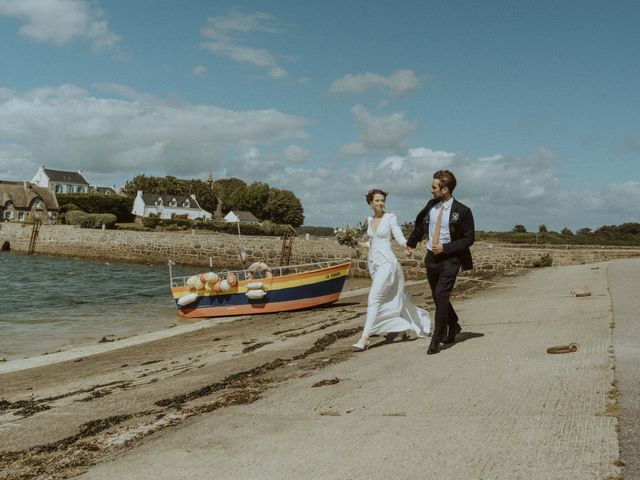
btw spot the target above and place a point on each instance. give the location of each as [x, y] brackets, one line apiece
[350, 235]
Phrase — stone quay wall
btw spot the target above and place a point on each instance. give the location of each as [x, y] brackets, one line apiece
[196, 247]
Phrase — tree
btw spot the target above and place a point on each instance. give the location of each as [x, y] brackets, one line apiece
[205, 195]
[566, 231]
[143, 183]
[542, 228]
[519, 229]
[284, 207]
[584, 231]
[230, 191]
[255, 199]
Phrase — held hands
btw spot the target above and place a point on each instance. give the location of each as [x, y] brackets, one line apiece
[408, 251]
[437, 249]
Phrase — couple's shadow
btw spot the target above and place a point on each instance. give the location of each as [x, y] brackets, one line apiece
[462, 337]
[400, 338]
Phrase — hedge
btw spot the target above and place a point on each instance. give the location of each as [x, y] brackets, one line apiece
[91, 220]
[266, 229]
[95, 203]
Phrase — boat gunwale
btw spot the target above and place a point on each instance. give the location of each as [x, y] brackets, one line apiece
[330, 265]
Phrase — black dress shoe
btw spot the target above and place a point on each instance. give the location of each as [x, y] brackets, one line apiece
[389, 337]
[434, 347]
[451, 337]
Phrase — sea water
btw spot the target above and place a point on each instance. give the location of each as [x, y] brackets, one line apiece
[53, 303]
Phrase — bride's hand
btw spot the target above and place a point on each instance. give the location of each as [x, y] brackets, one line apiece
[408, 251]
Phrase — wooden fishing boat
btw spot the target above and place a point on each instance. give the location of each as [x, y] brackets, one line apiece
[259, 289]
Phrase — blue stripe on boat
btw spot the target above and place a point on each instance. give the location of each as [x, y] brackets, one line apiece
[301, 292]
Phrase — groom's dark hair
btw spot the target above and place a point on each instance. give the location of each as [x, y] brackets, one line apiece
[447, 179]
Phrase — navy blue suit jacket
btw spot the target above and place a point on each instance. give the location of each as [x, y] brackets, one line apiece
[461, 228]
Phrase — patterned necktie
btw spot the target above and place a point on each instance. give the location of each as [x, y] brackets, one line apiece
[436, 233]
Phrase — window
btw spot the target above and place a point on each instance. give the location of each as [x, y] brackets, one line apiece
[186, 203]
[8, 215]
[21, 216]
[174, 202]
[57, 188]
[69, 188]
[80, 190]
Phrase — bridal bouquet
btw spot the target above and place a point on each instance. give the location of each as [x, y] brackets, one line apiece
[350, 235]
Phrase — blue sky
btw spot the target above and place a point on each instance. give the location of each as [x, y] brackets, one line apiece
[533, 105]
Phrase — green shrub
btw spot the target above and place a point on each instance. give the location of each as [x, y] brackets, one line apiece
[73, 217]
[97, 220]
[316, 231]
[95, 203]
[174, 227]
[90, 220]
[151, 221]
[545, 261]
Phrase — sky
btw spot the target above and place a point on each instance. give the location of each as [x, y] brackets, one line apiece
[534, 106]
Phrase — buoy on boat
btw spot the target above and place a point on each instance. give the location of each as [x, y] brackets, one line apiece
[255, 286]
[224, 285]
[212, 278]
[232, 279]
[259, 267]
[256, 294]
[194, 283]
[208, 277]
[187, 299]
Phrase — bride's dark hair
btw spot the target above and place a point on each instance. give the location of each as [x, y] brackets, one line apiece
[372, 192]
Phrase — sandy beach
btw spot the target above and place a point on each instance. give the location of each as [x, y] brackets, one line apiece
[283, 396]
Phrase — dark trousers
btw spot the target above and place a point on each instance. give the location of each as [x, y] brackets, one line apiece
[442, 272]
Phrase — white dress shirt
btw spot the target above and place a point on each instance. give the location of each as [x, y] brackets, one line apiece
[445, 234]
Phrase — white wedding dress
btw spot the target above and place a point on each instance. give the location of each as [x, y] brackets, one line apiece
[390, 308]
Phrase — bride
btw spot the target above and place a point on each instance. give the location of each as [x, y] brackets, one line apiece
[390, 308]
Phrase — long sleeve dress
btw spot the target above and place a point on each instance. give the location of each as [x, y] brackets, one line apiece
[390, 308]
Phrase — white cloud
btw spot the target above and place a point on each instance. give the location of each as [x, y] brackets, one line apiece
[377, 133]
[114, 138]
[66, 127]
[61, 21]
[126, 92]
[502, 191]
[295, 154]
[199, 70]
[398, 83]
[225, 34]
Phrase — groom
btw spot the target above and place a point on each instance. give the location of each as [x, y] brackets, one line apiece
[449, 226]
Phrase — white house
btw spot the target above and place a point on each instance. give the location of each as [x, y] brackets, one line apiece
[168, 206]
[61, 181]
[241, 217]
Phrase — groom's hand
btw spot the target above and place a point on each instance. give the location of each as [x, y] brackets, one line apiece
[408, 251]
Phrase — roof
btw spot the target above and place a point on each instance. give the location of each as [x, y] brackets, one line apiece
[64, 176]
[150, 200]
[244, 216]
[22, 194]
[104, 190]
